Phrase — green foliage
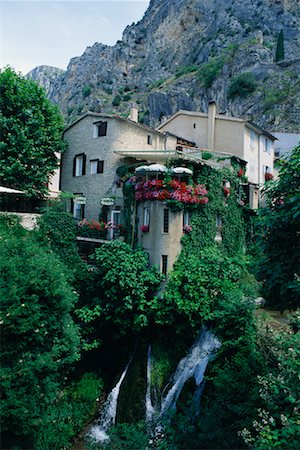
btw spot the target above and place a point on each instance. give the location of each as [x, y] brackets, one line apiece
[195, 284]
[242, 85]
[210, 71]
[277, 422]
[58, 228]
[69, 413]
[125, 436]
[184, 70]
[275, 96]
[117, 100]
[86, 91]
[31, 134]
[39, 338]
[207, 155]
[126, 97]
[279, 229]
[126, 285]
[280, 47]
[157, 83]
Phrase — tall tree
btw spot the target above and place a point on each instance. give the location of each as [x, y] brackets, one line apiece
[280, 231]
[31, 134]
[40, 341]
[280, 47]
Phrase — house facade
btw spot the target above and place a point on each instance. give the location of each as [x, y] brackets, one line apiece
[95, 145]
[219, 133]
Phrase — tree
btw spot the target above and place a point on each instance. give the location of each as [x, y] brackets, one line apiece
[31, 134]
[279, 236]
[280, 47]
[40, 342]
[124, 289]
[242, 85]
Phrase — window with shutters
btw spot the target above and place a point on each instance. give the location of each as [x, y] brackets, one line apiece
[100, 129]
[97, 166]
[79, 163]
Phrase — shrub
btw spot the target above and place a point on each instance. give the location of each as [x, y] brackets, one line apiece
[184, 70]
[117, 100]
[86, 90]
[39, 338]
[242, 85]
[209, 71]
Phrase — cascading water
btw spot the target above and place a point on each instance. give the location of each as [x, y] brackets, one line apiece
[108, 416]
[149, 406]
[192, 365]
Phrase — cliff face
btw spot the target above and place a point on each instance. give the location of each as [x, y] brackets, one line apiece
[184, 53]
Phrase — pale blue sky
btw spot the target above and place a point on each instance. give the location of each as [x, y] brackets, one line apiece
[39, 32]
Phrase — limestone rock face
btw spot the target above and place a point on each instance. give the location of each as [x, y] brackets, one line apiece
[184, 53]
[45, 75]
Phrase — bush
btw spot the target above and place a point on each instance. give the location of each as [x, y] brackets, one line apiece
[72, 410]
[117, 100]
[58, 228]
[209, 71]
[180, 71]
[39, 338]
[86, 90]
[242, 85]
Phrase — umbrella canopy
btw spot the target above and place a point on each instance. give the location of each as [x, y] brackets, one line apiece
[7, 190]
[151, 168]
[180, 170]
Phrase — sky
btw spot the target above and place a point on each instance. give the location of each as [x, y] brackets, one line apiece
[39, 32]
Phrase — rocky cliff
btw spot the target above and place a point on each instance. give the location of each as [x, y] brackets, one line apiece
[183, 53]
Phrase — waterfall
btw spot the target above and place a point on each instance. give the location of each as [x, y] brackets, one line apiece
[108, 416]
[192, 365]
[149, 406]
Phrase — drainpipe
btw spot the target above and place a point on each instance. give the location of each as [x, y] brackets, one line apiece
[211, 120]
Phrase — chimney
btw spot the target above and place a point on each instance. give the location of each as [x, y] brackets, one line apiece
[212, 111]
[134, 113]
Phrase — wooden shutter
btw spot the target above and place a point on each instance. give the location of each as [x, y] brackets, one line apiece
[100, 166]
[83, 164]
[102, 129]
[74, 166]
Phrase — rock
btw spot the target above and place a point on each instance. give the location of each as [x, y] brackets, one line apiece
[147, 64]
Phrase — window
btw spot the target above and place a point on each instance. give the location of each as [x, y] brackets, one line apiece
[164, 264]
[186, 218]
[77, 207]
[97, 166]
[115, 218]
[100, 129]
[146, 218]
[79, 163]
[149, 139]
[219, 224]
[268, 146]
[253, 140]
[194, 126]
[166, 221]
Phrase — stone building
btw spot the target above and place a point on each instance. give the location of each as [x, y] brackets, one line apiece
[95, 145]
[215, 132]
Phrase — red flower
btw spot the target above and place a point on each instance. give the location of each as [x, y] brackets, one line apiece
[240, 173]
[268, 176]
[226, 191]
[145, 228]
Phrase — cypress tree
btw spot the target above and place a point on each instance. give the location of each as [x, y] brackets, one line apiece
[280, 47]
